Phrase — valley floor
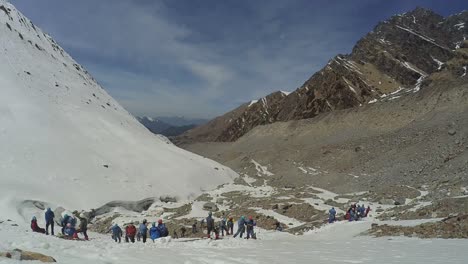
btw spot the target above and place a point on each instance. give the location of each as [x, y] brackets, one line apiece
[336, 243]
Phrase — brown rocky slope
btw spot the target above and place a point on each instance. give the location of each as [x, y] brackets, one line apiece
[394, 59]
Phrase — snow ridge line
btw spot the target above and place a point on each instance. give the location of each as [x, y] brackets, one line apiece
[432, 41]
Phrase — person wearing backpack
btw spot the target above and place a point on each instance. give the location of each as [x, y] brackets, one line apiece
[116, 233]
[163, 232]
[49, 218]
[223, 227]
[154, 232]
[332, 215]
[240, 227]
[83, 228]
[143, 230]
[250, 228]
[64, 222]
[130, 232]
[209, 224]
[230, 225]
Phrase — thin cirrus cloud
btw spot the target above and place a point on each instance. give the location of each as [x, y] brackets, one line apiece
[203, 58]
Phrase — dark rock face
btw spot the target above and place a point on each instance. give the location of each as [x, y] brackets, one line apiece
[392, 60]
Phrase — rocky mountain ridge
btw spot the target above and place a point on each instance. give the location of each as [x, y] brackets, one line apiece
[392, 60]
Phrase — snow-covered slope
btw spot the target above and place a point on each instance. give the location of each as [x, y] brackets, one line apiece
[65, 141]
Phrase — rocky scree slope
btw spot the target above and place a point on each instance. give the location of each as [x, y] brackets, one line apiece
[393, 60]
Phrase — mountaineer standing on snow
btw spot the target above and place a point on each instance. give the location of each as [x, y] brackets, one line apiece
[230, 225]
[240, 227]
[367, 211]
[222, 226]
[163, 231]
[332, 215]
[130, 232]
[49, 218]
[143, 231]
[83, 228]
[116, 233]
[250, 228]
[194, 227]
[209, 224]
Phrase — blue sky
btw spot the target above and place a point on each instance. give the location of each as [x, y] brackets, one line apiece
[201, 58]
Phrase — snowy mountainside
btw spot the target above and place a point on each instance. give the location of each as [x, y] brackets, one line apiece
[66, 142]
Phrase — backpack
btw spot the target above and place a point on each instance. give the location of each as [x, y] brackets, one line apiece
[163, 230]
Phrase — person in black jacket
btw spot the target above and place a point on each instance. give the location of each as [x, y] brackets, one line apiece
[209, 224]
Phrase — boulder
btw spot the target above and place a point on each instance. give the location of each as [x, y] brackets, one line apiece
[399, 201]
[452, 132]
[168, 199]
[386, 201]
[210, 207]
[27, 255]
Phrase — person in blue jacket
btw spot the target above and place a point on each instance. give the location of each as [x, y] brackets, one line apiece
[250, 228]
[240, 227]
[116, 233]
[154, 232]
[363, 211]
[143, 230]
[352, 215]
[70, 231]
[49, 218]
[64, 222]
[332, 215]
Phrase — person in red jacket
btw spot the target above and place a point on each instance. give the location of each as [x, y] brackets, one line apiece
[35, 227]
[130, 232]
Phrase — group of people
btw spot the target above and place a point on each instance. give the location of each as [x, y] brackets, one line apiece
[68, 224]
[354, 213]
[131, 232]
[225, 226]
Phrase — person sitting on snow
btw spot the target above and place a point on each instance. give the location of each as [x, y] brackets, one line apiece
[154, 232]
[64, 222]
[35, 227]
[70, 231]
[116, 233]
[332, 215]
